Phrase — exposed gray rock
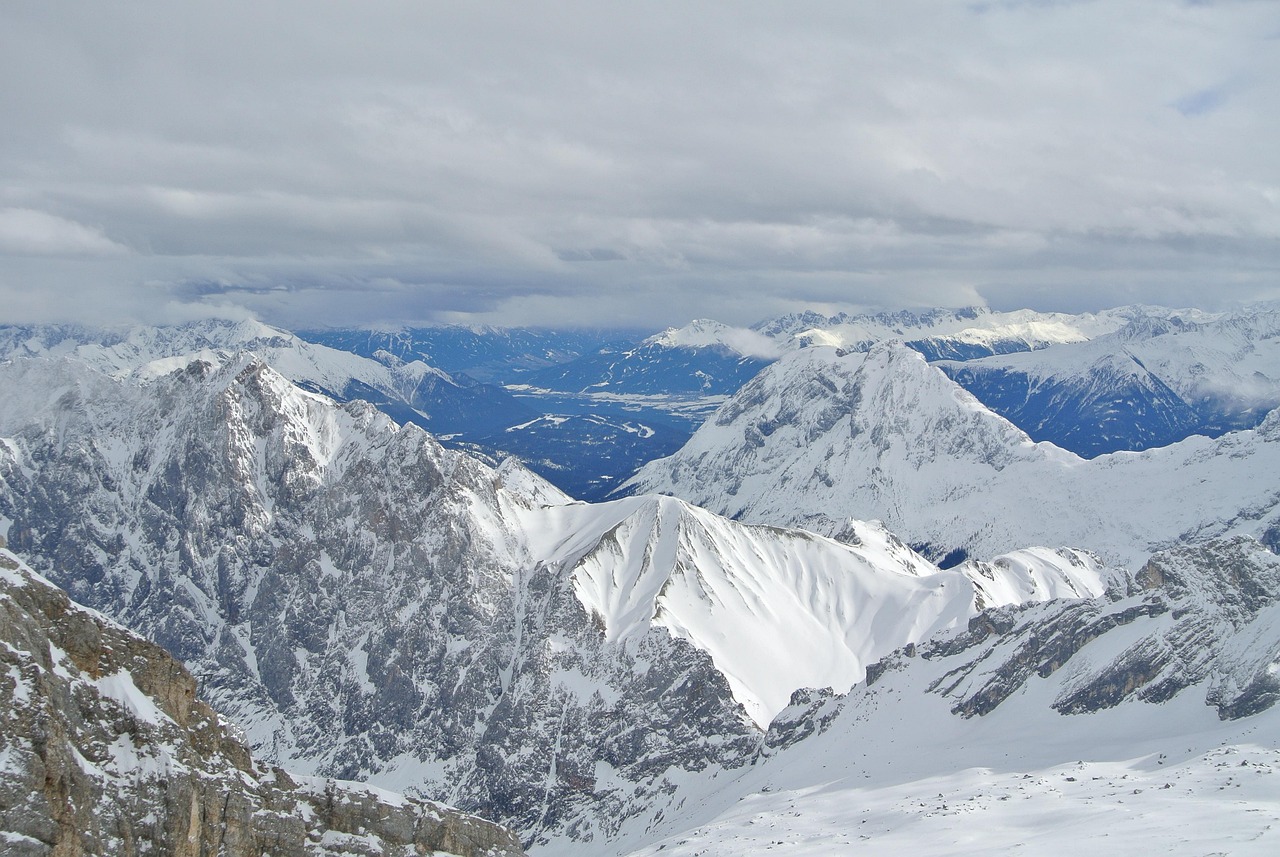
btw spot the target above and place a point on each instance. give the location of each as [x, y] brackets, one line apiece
[1206, 615]
[106, 750]
[354, 595]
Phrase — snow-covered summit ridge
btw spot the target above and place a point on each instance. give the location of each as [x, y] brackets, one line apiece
[884, 404]
[942, 330]
[780, 609]
[822, 435]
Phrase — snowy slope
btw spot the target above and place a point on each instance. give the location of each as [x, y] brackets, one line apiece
[823, 435]
[1149, 384]
[778, 610]
[1117, 724]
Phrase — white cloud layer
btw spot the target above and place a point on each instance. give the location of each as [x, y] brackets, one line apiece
[651, 163]
[25, 232]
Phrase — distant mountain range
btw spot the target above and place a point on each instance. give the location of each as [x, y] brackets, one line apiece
[858, 609]
[366, 603]
[825, 435]
[587, 409]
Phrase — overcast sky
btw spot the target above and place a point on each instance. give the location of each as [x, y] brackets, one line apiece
[640, 163]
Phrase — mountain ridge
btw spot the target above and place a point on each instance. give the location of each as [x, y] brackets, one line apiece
[824, 435]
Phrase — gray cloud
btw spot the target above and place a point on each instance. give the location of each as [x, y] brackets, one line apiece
[651, 163]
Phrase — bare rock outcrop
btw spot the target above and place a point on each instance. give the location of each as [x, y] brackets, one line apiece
[106, 749]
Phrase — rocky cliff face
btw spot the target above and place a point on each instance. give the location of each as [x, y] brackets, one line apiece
[358, 598]
[107, 750]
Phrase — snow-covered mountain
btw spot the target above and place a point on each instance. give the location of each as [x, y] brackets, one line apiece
[779, 610]
[1149, 384]
[588, 455]
[1142, 722]
[408, 391]
[961, 334]
[367, 603]
[1130, 378]
[824, 435]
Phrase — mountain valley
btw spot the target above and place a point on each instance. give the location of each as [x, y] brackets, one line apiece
[870, 611]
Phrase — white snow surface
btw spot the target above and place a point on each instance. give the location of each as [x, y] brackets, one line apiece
[890, 769]
[824, 435]
[119, 686]
[776, 609]
[906, 778]
[971, 325]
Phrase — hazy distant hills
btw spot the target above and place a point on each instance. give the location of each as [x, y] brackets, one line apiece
[587, 409]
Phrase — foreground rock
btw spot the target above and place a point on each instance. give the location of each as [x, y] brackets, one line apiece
[105, 749]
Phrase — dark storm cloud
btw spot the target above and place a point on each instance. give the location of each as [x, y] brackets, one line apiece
[382, 162]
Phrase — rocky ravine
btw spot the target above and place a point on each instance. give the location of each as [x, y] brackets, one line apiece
[106, 749]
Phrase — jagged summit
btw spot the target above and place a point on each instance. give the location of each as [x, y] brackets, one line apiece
[820, 423]
[410, 391]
